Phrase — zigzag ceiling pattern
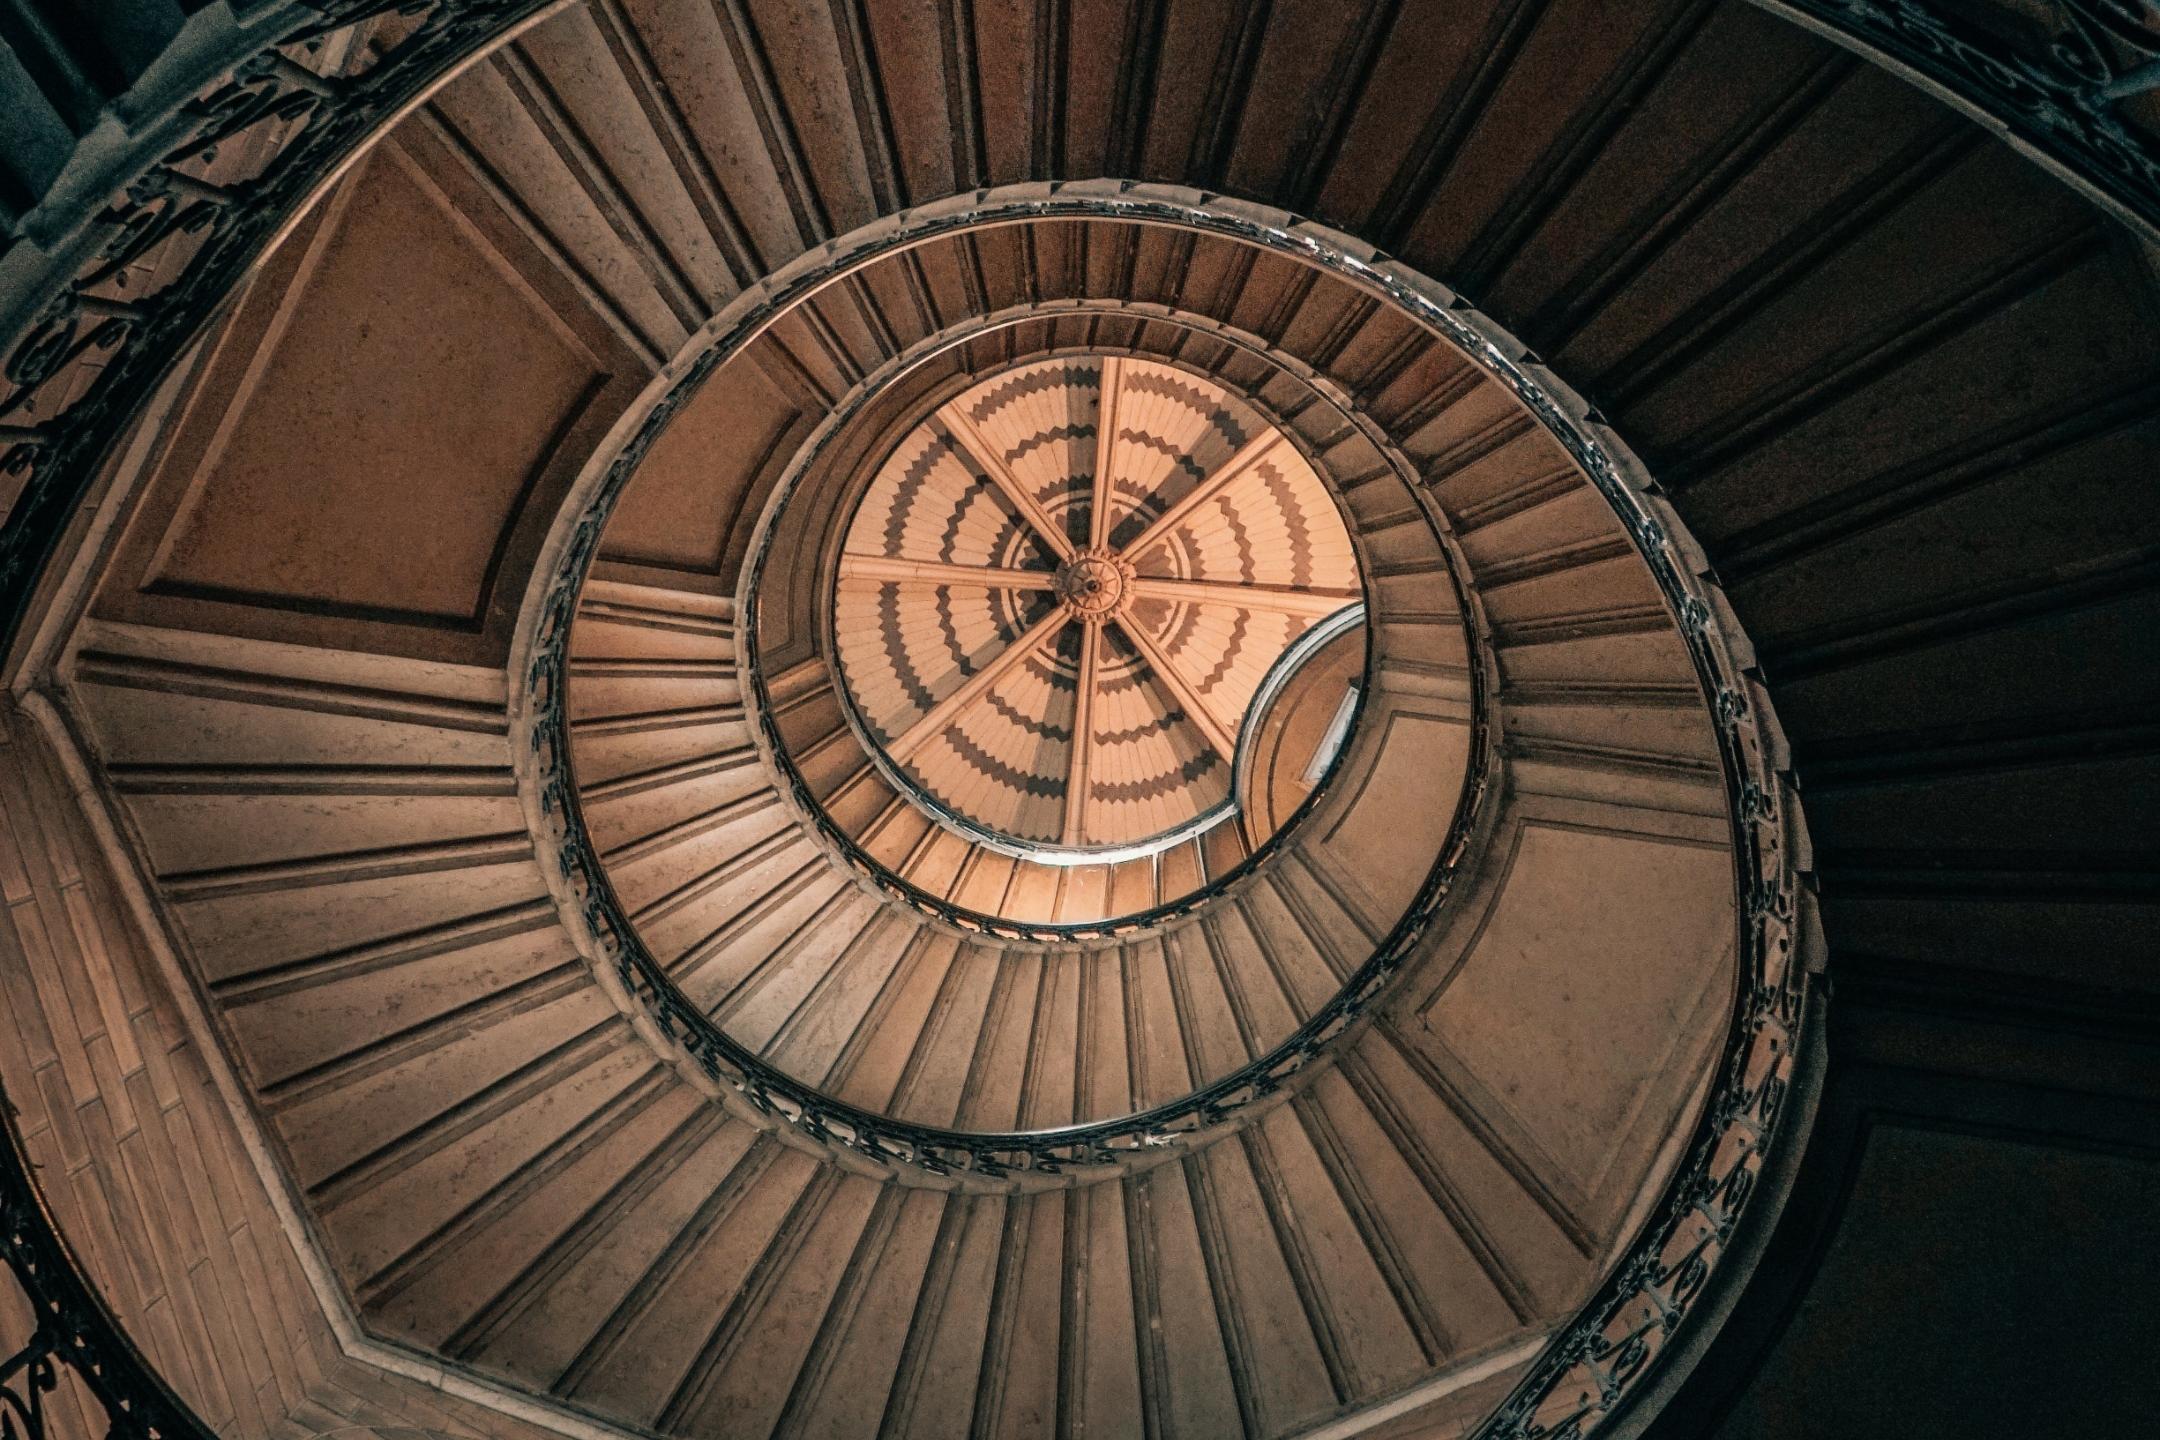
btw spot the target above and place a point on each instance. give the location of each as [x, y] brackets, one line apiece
[1053, 626]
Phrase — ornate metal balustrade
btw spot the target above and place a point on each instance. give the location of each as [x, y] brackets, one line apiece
[1598, 1360]
[612, 939]
[108, 288]
[2058, 77]
[70, 1327]
[103, 301]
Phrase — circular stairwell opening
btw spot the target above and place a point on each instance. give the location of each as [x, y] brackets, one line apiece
[1343, 1041]
[1083, 640]
[808, 826]
[1022, 713]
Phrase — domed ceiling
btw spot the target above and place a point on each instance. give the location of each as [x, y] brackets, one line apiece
[617, 1044]
[1062, 590]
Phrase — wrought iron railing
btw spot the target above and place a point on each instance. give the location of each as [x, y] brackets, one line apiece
[108, 298]
[98, 299]
[2056, 76]
[615, 941]
[1598, 1358]
[73, 324]
[71, 1329]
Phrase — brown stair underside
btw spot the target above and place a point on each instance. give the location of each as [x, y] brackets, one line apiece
[1728, 232]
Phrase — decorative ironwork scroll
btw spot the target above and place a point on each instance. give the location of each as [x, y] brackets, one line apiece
[2053, 75]
[130, 283]
[89, 336]
[613, 940]
[70, 1326]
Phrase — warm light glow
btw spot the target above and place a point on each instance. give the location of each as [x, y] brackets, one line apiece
[1060, 593]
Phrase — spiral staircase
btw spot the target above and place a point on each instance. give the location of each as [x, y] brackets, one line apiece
[703, 742]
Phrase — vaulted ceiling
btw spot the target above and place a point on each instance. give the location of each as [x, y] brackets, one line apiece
[654, 695]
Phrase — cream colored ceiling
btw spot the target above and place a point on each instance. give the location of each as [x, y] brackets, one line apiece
[1015, 576]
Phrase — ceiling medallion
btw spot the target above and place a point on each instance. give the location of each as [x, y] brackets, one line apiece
[1095, 584]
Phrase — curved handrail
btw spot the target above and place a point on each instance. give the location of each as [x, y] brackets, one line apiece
[1294, 658]
[72, 1324]
[2056, 91]
[614, 940]
[1664, 1271]
[882, 1138]
[2066, 117]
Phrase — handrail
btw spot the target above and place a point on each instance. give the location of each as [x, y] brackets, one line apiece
[72, 1325]
[140, 196]
[2055, 90]
[1294, 658]
[1598, 1359]
[2059, 101]
[824, 1117]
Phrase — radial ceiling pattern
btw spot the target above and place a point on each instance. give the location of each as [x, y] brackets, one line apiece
[1061, 591]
